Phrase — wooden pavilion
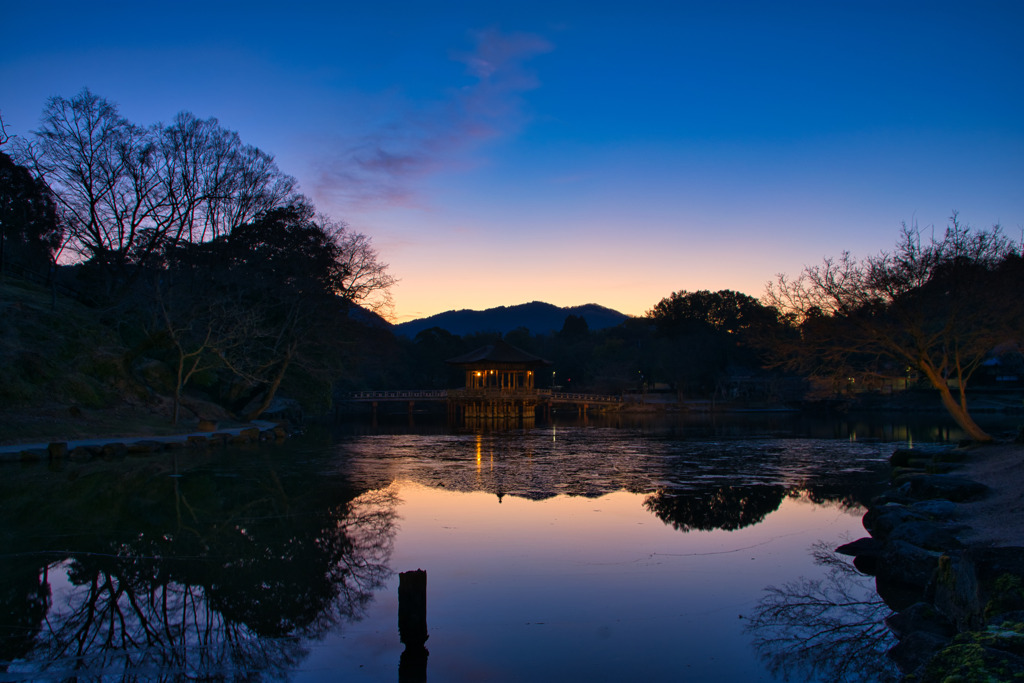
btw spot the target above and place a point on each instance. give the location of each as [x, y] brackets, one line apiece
[501, 383]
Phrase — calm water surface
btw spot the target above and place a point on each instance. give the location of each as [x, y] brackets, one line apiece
[601, 552]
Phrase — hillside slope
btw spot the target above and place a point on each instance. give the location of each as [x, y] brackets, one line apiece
[538, 317]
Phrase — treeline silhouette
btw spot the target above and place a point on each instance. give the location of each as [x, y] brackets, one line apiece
[222, 283]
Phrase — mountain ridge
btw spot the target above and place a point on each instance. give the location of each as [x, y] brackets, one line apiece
[536, 316]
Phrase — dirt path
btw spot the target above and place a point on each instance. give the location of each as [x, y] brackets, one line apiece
[999, 518]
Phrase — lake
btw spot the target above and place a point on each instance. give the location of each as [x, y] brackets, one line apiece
[600, 550]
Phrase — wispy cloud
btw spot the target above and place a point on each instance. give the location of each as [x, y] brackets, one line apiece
[379, 167]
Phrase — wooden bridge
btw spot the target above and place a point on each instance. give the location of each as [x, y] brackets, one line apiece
[543, 395]
[500, 385]
[490, 402]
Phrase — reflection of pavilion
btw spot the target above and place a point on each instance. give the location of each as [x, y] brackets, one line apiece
[500, 383]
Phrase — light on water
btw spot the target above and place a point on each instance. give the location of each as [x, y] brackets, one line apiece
[599, 553]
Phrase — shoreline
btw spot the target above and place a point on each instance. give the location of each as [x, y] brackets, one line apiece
[945, 551]
[257, 430]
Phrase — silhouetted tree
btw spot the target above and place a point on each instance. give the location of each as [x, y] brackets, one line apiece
[29, 232]
[575, 326]
[706, 332]
[939, 306]
[123, 191]
[270, 296]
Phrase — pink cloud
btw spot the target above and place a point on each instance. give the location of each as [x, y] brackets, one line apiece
[380, 167]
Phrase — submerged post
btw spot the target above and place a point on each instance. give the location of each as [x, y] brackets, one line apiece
[412, 626]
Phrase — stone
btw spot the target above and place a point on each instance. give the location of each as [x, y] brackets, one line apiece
[880, 521]
[937, 508]
[976, 656]
[33, 454]
[82, 454]
[862, 546]
[901, 457]
[926, 534]
[57, 450]
[897, 595]
[956, 593]
[144, 447]
[114, 450]
[916, 650]
[907, 563]
[921, 616]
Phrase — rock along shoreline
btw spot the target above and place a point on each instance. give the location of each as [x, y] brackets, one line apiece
[88, 449]
[944, 548]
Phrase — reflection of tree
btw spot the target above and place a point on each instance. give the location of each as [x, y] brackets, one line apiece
[24, 598]
[204, 576]
[829, 630]
[724, 507]
[111, 623]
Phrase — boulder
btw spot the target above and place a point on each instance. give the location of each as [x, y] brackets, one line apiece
[916, 649]
[861, 547]
[927, 534]
[880, 521]
[114, 450]
[956, 593]
[144, 447]
[901, 457]
[906, 563]
[921, 616]
[936, 508]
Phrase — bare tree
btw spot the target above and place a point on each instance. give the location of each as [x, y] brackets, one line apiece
[937, 305]
[4, 137]
[98, 165]
[364, 278]
[211, 182]
[125, 192]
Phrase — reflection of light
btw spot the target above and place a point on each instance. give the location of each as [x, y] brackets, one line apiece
[554, 433]
[479, 450]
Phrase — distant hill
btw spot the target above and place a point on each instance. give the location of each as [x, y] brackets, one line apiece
[537, 316]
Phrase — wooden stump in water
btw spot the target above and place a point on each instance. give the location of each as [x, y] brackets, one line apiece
[412, 626]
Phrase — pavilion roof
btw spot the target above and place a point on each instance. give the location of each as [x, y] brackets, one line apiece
[498, 352]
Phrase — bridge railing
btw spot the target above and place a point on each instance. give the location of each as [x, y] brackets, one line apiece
[490, 392]
[584, 398]
[400, 395]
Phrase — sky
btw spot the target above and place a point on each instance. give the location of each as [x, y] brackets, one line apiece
[575, 152]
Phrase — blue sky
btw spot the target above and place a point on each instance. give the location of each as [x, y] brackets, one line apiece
[574, 152]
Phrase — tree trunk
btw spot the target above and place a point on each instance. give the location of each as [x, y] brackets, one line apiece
[957, 410]
[272, 389]
[177, 391]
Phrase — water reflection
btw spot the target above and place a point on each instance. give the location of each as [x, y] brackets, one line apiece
[140, 569]
[827, 628]
[724, 507]
[255, 562]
